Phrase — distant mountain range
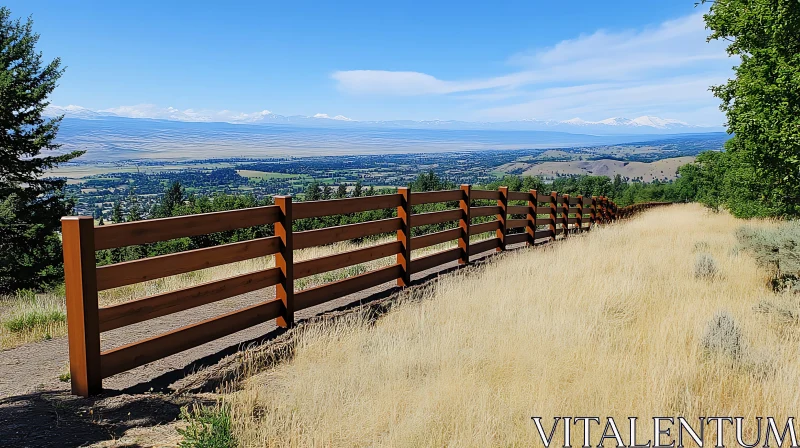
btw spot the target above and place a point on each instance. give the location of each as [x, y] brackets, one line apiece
[645, 125]
[114, 138]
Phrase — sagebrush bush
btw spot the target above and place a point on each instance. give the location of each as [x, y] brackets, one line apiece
[723, 337]
[776, 248]
[705, 266]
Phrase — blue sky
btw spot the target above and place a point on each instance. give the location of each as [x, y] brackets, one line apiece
[474, 61]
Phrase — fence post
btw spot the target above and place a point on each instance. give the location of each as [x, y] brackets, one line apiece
[404, 236]
[502, 217]
[284, 260]
[83, 325]
[553, 201]
[579, 215]
[531, 228]
[565, 214]
[593, 212]
[601, 209]
[464, 223]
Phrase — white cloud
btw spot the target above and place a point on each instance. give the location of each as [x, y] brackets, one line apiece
[645, 68]
[602, 56]
[675, 97]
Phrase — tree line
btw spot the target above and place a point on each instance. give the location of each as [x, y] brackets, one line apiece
[176, 202]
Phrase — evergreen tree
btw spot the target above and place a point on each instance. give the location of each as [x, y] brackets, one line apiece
[174, 196]
[327, 192]
[30, 205]
[116, 213]
[341, 192]
[357, 190]
[429, 181]
[616, 187]
[134, 208]
[135, 214]
[313, 191]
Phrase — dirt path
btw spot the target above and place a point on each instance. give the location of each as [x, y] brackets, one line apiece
[36, 408]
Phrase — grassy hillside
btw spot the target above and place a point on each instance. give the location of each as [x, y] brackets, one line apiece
[661, 315]
[662, 170]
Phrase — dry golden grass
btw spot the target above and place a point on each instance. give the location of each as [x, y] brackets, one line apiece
[607, 324]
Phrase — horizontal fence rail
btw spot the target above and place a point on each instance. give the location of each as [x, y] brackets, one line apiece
[509, 218]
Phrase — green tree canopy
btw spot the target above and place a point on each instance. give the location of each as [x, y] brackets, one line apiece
[429, 181]
[173, 197]
[341, 191]
[313, 191]
[762, 102]
[31, 204]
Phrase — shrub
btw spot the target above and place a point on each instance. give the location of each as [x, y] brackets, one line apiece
[65, 374]
[34, 318]
[778, 246]
[208, 427]
[25, 295]
[705, 266]
[723, 337]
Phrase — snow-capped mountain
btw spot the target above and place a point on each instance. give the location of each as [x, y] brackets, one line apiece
[615, 121]
[73, 112]
[640, 123]
[610, 126]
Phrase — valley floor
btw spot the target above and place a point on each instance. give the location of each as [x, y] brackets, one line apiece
[616, 322]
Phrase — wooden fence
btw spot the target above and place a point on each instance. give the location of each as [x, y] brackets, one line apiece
[540, 218]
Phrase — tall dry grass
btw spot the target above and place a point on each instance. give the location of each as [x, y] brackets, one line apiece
[28, 317]
[612, 323]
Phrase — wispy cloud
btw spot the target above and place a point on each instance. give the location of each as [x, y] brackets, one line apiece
[663, 68]
[171, 113]
[685, 97]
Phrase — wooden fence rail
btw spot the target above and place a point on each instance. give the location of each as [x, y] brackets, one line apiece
[520, 218]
